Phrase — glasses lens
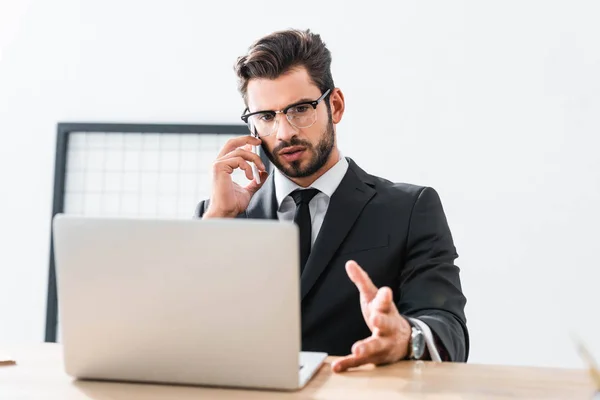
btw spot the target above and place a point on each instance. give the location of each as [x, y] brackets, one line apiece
[302, 115]
[265, 123]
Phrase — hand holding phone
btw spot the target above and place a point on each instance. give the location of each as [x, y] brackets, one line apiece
[228, 199]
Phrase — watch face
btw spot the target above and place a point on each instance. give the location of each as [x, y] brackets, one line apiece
[418, 343]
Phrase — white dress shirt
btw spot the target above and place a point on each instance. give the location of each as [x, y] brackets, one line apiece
[327, 185]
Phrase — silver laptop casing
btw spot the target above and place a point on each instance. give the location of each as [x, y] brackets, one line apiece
[200, 302]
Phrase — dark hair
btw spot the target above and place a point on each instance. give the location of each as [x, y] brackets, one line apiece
[278, 53]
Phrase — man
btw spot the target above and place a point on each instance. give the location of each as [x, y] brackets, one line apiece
[378, 280]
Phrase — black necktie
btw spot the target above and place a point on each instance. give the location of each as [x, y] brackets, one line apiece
[302, 219]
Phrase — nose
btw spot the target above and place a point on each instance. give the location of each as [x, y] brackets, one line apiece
[285, 130]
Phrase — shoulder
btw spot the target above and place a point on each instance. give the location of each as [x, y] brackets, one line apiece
[402, 194]
[385, 187]
[397, 189]
[408, 191]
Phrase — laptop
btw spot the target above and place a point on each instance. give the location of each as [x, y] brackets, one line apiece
[192, 302]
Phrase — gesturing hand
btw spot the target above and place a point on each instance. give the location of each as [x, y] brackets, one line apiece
[390, 331]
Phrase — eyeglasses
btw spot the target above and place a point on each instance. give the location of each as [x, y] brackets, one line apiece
[299, 115]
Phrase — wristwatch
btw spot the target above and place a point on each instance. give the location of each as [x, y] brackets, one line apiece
[416, 343]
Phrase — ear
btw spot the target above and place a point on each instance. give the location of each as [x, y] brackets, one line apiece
[336, 100]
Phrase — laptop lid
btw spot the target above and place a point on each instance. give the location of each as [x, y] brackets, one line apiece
[208, 302]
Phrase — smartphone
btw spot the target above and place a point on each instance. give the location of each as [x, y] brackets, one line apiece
[254, 133]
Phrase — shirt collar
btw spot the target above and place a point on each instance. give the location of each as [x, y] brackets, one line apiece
[326, 183]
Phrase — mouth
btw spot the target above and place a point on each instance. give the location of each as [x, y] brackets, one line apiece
[292, 153]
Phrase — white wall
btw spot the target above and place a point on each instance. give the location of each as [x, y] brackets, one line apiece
[495, 105]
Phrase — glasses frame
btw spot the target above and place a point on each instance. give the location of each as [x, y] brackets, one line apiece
[284, 111]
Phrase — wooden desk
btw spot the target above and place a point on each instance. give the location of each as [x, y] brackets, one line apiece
[39, 375]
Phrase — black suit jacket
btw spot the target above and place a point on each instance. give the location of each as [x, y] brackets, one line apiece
[399, 235]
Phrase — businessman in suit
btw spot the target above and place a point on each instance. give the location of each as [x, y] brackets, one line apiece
[378, 279]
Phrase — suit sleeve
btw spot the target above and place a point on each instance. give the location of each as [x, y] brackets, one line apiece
[430, 287]
[201, 209]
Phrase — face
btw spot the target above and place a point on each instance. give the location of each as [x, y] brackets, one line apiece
[297, 152]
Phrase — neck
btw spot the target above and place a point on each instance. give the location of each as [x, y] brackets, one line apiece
[308, 180]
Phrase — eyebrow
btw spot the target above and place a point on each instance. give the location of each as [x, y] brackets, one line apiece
[302, 100]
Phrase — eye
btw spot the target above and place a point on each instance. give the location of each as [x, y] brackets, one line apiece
[301, 108]
[266, 117]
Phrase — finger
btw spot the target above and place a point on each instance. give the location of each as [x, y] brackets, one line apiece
[383, 300]
[236, 142]
[368, 351]
[385, 324]
[361, 280]
[347, 362]
[230, 164]
[246, 155]
[369, 347]
[252, 187]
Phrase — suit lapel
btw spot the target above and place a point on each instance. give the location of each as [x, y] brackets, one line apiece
[346, 203]
[263, 204]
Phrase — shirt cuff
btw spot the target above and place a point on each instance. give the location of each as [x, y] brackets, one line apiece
[433, 351]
